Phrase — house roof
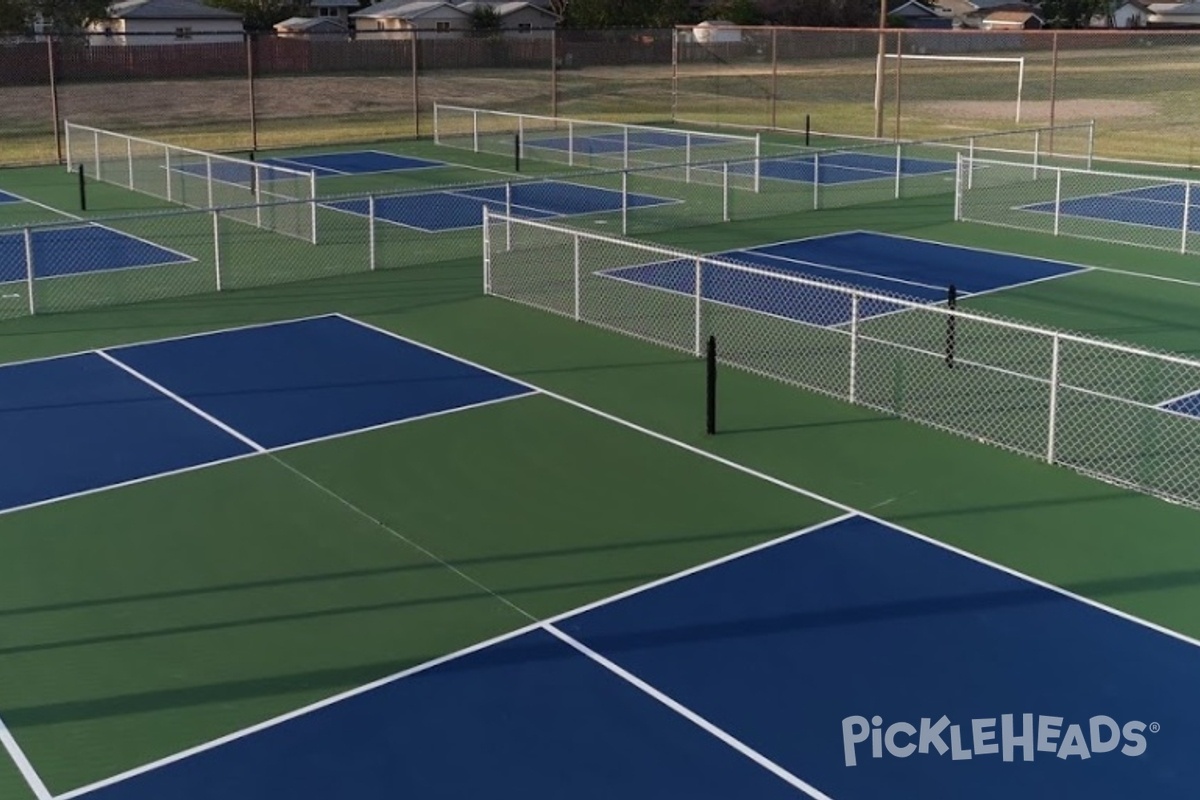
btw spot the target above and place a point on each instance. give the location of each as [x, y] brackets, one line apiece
[504, 9]
[1012, 16]
[1173, 9]
[167, 9]
[910, 8]
[405, 9]
[333, 3]
[311, 25]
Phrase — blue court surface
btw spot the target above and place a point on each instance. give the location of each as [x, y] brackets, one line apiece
[448, 210]
[914, 269]
[323, 165]
[79, 249]
[5, 197]
[839, 168]
[1153, 207]
[605, 143]
[98, 419]
[850, 661]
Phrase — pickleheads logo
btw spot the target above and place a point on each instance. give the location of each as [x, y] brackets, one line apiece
[1028, 733]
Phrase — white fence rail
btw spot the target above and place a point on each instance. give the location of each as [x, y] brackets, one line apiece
[1126, 415]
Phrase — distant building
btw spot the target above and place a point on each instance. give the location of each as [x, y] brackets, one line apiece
[1011, 21]
[1173, 15]
[1129, 14]
[516, 17]
[914, 14]
[714, 31]
[312, 28]
[137, 22]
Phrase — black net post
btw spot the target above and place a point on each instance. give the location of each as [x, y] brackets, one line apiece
[517, 151]
[253, 174]
[951, 304]
[710, 393]
[807, 128]
[82, 190]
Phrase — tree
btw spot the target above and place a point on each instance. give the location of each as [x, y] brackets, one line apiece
[62, 16]
[594, 14]
[739, 12]
[485, 18]
[1072, 13]
[14, 16]
[261, 15]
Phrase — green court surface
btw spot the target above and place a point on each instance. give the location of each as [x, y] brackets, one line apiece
[147, 619]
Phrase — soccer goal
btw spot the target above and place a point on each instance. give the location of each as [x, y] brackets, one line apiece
[996, 78]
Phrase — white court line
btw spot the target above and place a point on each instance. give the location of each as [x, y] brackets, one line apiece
[256, 448]
[440, 660]
[207, 417]
[819, 265]
[691, 716]
[847, 512]
[32, 779]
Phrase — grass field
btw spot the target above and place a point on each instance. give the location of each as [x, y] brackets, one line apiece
[150, 618]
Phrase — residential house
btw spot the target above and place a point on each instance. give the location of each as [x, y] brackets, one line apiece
[134, 22]
[970, 13]
[1173, 15]
[914, 14]
[312, 28]
[1128, 14]
[398, 19]
[1011, 21]
[516, 17]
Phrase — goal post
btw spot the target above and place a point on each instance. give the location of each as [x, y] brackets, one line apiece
[1017, 61]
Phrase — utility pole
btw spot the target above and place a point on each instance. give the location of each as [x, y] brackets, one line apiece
[879, 61]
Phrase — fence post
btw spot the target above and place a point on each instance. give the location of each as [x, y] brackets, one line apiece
[725, 191]
[487, 251]
[970, 161]
[1052, 429]
[66, 132]
[208, 176]
[575, 237]
[816, 180]
[698, 292]
[624, 203]
[1054, 83]
[416, 86]
[674, 74]
[958, 186]
[1091, 142]
[437, 126]
[1187, 205]
[249, 37]
[899, 72]
[58, 142]
[96, 144]
[508, 212]
[1037, 151]
[625, 154]
[371, 230]
[687, 158]
[29, 270]
[853, 393]
[570, 143]
[216, 219]
[899, 167]
[129, 159]
[757, 161]
[774, 75]
[312, 188]
[554, 72]
[475, 130]
[1057, 199]
[167, 164]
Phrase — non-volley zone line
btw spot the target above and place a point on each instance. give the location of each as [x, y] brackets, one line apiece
[915, 270]
[5, 197]
[444, 210]
[1161, 206]
[74, 249]
[95, 420]
[755, 675]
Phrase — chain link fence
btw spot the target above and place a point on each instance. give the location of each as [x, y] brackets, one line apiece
[1126, 415]
[1152, 211]
[270, 91]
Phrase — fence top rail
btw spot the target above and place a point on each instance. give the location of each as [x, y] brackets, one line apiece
[676, 254]
[177, 148]
[439, 107]
[1160, 179]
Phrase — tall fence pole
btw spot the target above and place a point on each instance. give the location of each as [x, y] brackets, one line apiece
[554, 72]
[1053, 84]
[58, 142]
[416, 86]
[880, 59]
[249, 37]
[1052, 421]
[899, 80]
[674, 74]
[774, 76]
